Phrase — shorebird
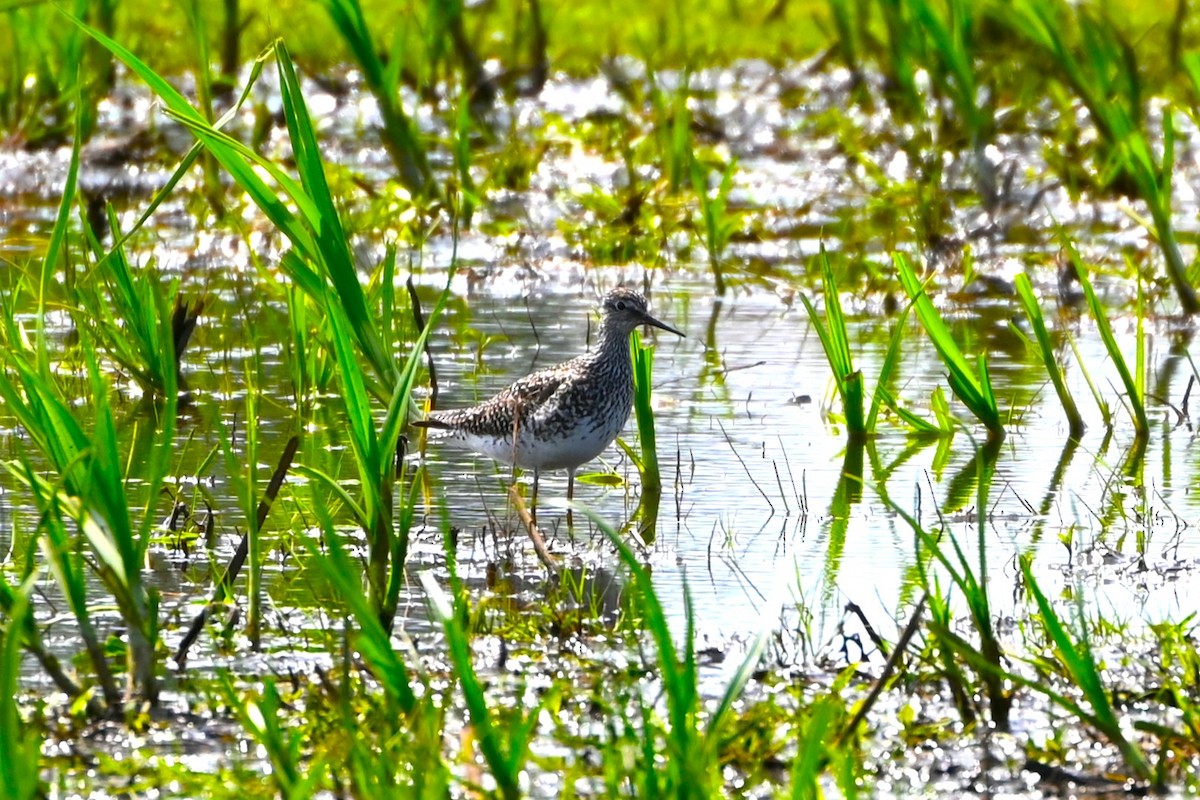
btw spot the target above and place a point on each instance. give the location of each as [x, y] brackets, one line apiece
[563, 416]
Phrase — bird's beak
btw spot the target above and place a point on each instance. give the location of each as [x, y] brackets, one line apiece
[649, 320]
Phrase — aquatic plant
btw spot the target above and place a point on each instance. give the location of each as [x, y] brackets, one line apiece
[380, 467]
[244, 481]
[1076, 658]
[505, 759]
[320, 262]
[972, 386]
[263, 719]
[128, 314]
[1102, 71]
[47, 72]
[20, 747]
[382, 76]
[672, 123]
[987, 657]
[1046, 348]
[694, 767]
[90, 488]
[647, 461]
[836, 343]
[719, 223]
[1133, 380]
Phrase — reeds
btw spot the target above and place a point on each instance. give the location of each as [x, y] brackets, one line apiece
[971, 580]
[505, 747]
[719, 223]
[834, 335]
[89, 490]
[692, 771]
[320, 262]
[836, 343]
[1079, 663]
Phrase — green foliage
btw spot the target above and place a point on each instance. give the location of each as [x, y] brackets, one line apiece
[130, 317]
[506, 760]
[643, 368]
[972, 581]
[89, 489]
[692, 768]
[382, 79]
[1102, 71]
[321, 262]
[719, 224]
[836, 343]
[264, 719]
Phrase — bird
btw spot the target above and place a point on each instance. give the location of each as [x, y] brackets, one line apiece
[563, 416]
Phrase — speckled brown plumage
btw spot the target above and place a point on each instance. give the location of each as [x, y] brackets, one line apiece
[562, 416]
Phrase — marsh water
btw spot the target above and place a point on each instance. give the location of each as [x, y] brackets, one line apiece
[765, 508]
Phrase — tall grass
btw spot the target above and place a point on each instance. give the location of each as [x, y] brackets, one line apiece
[320, 262]
[90, 485]
[719, 223]
[374, 447]
[835, 341]
[1080, 665]
[132, 318]
[692, 768]
[1101, 69]
[505, 747]
[972, 581]
[47, 70]
[382, 75]
[647, 461]
[242, 469]
[89, 490]
[264, 718]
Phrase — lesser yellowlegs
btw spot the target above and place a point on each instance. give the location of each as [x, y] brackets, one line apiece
[563, 416]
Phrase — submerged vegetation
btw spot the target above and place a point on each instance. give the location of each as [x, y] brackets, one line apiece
[252, 266]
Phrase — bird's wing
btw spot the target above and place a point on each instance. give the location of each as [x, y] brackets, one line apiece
[494, 416]
[534, 390]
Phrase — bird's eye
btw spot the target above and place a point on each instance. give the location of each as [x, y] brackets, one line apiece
[620, 305]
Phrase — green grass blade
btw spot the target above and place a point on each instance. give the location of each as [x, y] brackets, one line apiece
[1046, 349]
[1078, 658]
[505, 768]
[20, 745]
[643, 366]
[836, 343]
[971, 386]
[1099, 313]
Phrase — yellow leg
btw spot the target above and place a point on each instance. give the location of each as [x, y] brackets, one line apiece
[533, 499]
[570, 497]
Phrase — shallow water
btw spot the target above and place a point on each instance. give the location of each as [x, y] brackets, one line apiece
[751, 471]
[756, 516]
